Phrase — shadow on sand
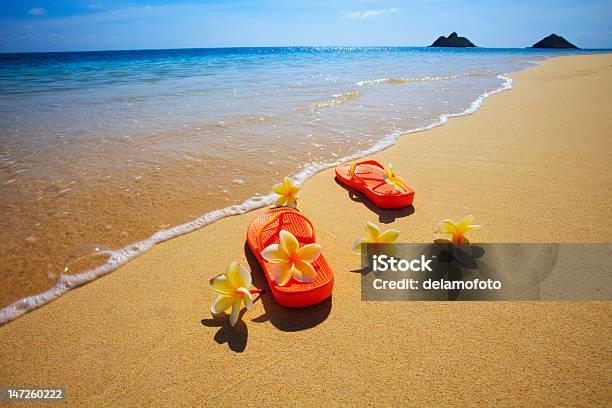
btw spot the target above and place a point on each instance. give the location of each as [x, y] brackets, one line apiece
[384, 216]
[459, 261]
[521, 268]
[235, 337]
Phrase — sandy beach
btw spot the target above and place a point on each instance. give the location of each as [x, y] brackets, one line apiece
[532, 165]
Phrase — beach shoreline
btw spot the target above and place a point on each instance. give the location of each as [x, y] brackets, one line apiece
[114, 259]
[504, 164]
[111, 192]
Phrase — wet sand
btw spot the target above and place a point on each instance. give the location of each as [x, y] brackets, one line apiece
[532, 165]
[104, 205]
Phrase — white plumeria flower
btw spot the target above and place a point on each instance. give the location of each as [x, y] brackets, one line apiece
[374, 236]
[288, 259]
[287, 193]
[234, 288]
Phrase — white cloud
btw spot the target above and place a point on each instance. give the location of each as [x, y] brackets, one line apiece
[94, 6]
[368, 13]
[37, 11]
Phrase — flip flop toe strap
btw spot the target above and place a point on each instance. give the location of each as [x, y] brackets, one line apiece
[354, 165]
[278, 215]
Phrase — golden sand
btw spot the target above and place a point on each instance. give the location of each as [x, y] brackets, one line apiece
[533, 165]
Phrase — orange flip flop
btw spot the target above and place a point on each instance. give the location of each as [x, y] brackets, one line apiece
[265, 230]
[370, 177]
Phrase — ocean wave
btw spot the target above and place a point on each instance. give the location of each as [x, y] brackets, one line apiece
[480, 74]
[117, 258]
[405, 80]
[337, 99]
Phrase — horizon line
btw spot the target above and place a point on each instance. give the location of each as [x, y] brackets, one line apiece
[294, 46]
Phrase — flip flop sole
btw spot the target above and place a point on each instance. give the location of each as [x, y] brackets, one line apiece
[374, 178]
[263, 231]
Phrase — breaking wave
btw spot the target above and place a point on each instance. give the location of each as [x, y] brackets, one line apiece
[337, 99]
[396, 81]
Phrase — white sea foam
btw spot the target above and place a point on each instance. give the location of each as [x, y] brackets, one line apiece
[405, 80]
[119, 257]
[338, 99]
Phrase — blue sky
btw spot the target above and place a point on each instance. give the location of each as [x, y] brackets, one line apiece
[75, 25]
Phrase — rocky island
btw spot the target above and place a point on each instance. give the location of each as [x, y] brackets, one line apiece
[553, 41]
[452, 40]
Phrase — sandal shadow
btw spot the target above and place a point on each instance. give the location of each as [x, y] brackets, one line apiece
[384, 216]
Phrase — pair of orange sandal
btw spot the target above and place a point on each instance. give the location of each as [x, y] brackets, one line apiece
[377, 183]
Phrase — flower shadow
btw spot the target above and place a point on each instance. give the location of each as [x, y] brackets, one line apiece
[465, 255]
[282, 318]
[460, 261]
[384, 216]
[236, 337]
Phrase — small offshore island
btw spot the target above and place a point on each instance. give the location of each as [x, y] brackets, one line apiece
[554, 41]
[453, 40]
